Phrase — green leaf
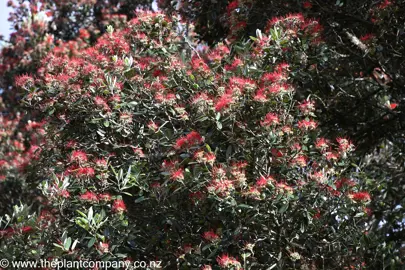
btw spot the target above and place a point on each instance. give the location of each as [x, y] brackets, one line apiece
[219, 125]
[206, 247]
[245, 206]
[67, 243]
[106, 123]
[271, 267]
[228, 152]
[81, 213]
[91, 242]
[140, 199]
[90, 214]
[253, 38]
[283, 208]
[74, 244]
[59, 246]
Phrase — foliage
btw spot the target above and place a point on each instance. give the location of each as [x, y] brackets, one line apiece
[157, 149]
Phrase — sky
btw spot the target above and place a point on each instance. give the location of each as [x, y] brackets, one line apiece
[4, 24]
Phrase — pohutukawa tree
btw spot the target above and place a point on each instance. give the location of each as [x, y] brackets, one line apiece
[158, 150]
[357, 81]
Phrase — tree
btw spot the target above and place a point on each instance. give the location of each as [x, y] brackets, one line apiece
[156, 149]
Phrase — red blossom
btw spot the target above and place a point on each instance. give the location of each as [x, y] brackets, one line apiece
[360, 196]
[223, 102]
[189, 140]
[270, 119]
[307, 124]
[322, 144]
[264, 181]
[392, 106]
[79, 156]
[225, 261]
[85, 171]
[273, 77]
[221, 188]
[24, 81]
[307, 5]
[119, 206]
[367, 37]
[307, 106]
[345, 145]
[89, 196]
[344, 182]
[105, 197]
[153, 126]
[232, 6]
[177, 175]
[103, 247]
[210, 236]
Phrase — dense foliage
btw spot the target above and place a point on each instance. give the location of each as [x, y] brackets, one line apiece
[135, 140]
[201, 161]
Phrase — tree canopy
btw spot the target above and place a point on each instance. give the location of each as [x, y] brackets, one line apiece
[233, 134]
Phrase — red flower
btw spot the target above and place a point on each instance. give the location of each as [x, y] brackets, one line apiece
[277, 153]
[210, 236]
[194, 138]
[225, 261]
[274, 77]
[7, 232]
[89, 196]
[300, 161]
[191, 139]
[360, 196]
[264, 181]
[344, 182]
[177, 175]
[384, 4]
[153, 126]
[119, 206]
[232, 6]
[307, 106]
[103, 247]
[345, 145]
[181, 143]
[284, 187]
[223, 102]
[367, 37]
[79, 156]
[24, 81]
[270, 119]
[392, 106]
[307, 5]
[84, 34]
[26, 229]
[87, 171]
[307, 124]
[64, 193]
[322, 143]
